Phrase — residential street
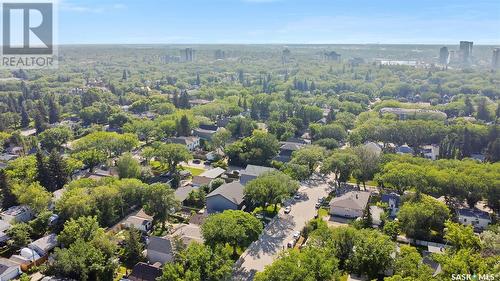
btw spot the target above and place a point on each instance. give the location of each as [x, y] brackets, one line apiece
[280, 231]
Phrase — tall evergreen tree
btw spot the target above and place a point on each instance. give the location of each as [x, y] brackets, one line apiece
[40, 123]
[288, 95]
[175, 99]
[42, 171]
[469, 108]
[58, 171]
[482, 110]
[8, 199]
[184, 100]
[198, 80]
[183, 129]
[25, 118]
[54, 111]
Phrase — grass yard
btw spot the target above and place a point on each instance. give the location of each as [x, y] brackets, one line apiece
[322, 212]
[121, 272]
[193, 171]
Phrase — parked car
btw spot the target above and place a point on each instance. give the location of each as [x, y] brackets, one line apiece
[297, 196]
[196, 161]
[296, 235]
[318, 205]
[291, 244]
[287, 209]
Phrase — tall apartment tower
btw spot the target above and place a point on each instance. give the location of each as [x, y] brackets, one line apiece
[495, 59]
[444, 56]
[187, 54]
[466, 51]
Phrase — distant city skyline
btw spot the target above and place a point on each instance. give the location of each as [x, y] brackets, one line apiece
[279, 22]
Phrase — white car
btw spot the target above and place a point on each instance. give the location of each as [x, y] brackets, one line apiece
[287, 209]
[296, 235]
[297, 196]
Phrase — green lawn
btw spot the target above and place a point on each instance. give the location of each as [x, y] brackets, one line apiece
[322, 212]
[194, 171]
[368, 183]
[268, 211]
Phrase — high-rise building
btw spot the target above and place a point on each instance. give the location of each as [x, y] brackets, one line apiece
[495, 59]
[187, 54]
[444, 56]
[466, 51]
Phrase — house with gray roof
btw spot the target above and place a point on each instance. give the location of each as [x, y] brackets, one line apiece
[252, 172]
[207, 176]
[9, 269]
[159, 250]
[286, 151]
[478, 219]
[228, 196]
[191, 143]
[45, 244]
[350, 205]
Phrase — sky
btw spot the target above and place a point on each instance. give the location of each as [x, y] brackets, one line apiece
[278, 21]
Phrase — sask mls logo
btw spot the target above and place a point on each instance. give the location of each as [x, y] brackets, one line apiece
[28, 34]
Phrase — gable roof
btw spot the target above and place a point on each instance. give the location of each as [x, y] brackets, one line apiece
[145, 272]
[254, 170]
[160, 244]
[356, 200]
[474, 213]
[183, 140]
[182, 192]
[45, 243]
[232, 191]
[5, 264]
[213, 173]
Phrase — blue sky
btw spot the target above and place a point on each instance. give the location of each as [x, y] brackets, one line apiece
[279, 21]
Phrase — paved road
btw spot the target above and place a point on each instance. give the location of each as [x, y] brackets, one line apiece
[280, 231]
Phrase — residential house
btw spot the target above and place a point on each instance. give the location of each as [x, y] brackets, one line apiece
[430, 151]
[188, 233]
[191, 143]
[286, 150]
[393, 201]
[373, 147]
[4, 226]
[405, 149]
[182, 193]
[376, 213]
[208, 176]
[228, 196]
[159, 250]
[145, 272]
[45, 244]
[15, 150]
[252, 172]
[20, 213]
[475, 217]
[205, 132]
[9, 269]
[139, 220]
[350, 205]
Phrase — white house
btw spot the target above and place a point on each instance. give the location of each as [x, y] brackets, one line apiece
[17, 214]
[139, 220]
[159, 250]
[350, 205]
[430, 151]
[191, 143]
[475, 217]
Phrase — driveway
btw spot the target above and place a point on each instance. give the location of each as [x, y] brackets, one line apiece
[280, 231]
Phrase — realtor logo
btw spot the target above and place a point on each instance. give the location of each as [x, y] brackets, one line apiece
[28, 34]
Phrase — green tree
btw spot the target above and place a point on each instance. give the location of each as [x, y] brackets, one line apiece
[128, 167]
[310, 156]
[54, 138]
[342, 164]
[199, 262]
[132, 249]
[8, 198]
[33, 195]
[58, 171]
[408, 264]
[160, 202]
[461, 236]
[418, 218]
[311, 264]
[84, 228]
[270, 188]
[19, 235]
[171, 154]
[91, 158]
[236, 228]
[371, 254]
